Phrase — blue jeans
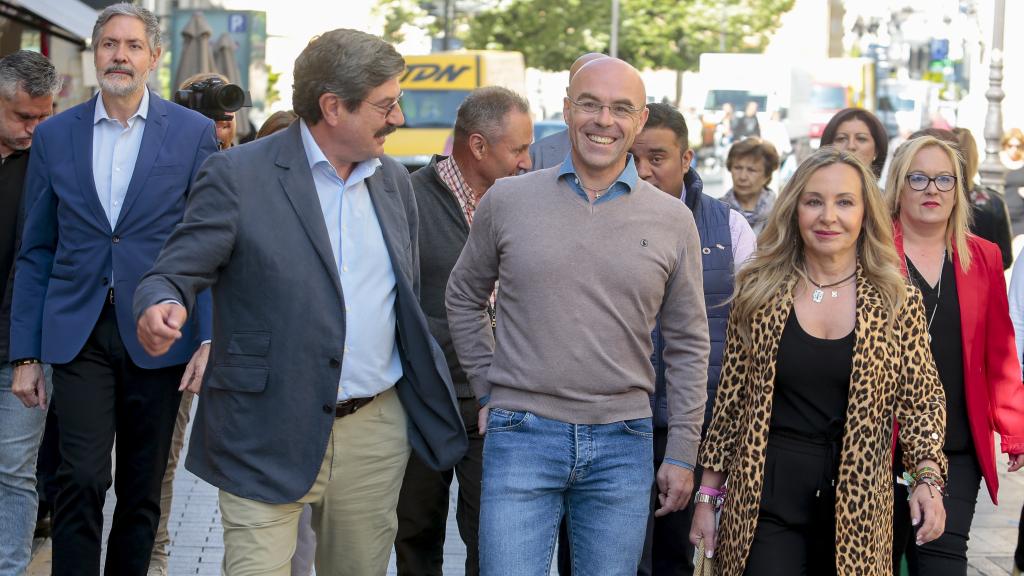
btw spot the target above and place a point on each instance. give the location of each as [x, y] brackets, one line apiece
[21, 431]
[535, 469]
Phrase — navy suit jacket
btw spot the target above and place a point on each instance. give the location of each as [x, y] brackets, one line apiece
[255, 232]
[69, 252]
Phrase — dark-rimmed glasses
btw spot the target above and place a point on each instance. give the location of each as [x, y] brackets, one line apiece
[594, 108]
[919, 182]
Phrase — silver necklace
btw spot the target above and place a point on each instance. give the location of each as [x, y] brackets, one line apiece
[598, 192]
[938, 290]
[819, 292]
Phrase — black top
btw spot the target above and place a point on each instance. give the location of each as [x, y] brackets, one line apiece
[947, 349]
[812, 383]
[991, 221]
[12, 183]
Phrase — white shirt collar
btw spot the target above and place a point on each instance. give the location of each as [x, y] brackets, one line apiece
[101, 110]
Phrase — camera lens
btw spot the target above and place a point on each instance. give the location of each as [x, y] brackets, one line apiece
[228, 97]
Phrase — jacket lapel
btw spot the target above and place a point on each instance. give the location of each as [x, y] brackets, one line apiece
[391, 216]
[872, 316]
[81, 140]
[152, 142]
[966, 292]
[296, 179]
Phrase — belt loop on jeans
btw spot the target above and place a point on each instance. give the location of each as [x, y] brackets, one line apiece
[342, 409]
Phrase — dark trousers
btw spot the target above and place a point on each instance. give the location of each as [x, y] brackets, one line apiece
[1018, 554]
[423, 507]
[946, 555]
[796, 525]
[48, 463]
[667, 549]
[103, 394]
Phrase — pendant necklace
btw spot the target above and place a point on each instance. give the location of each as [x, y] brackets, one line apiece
[819, 292]
[938, 291]
[598, 192]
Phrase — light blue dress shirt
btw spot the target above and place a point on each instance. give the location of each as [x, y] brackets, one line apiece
[114, 151]
[370, 362]
[623, 184]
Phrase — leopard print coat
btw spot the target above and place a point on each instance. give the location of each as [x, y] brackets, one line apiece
[893, 377]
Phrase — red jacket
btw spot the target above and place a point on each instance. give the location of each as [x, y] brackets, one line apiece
[992, 375]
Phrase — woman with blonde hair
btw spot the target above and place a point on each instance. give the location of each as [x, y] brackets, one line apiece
[826, 345]
[960, 277]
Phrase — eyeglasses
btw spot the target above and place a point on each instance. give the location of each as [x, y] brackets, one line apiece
[591, 107]
[387, 108]
[919, 182]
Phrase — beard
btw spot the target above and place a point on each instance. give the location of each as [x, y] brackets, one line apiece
[118, 85]
[16, 143]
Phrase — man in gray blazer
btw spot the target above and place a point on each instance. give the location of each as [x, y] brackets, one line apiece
[322, 369]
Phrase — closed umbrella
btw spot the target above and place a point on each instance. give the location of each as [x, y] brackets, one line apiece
[227, 64]
[195, 56]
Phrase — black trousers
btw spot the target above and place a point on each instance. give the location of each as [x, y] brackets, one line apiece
[48, 463]
[796, 524]
[103, 394]
[423, 507]
[947, 554]
[1018, 554]
[667, 549]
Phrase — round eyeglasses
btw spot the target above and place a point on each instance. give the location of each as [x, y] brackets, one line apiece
[919, 182]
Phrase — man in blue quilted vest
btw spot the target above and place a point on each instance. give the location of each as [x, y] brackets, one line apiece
[663, 158]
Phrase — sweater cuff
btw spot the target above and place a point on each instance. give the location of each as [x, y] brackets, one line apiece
[679, 448]
[679, 463]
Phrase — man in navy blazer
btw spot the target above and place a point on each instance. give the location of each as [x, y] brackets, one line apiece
[323, 373]
[107, 182]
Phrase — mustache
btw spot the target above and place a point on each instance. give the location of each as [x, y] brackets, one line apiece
[116, 68]
[385, 131]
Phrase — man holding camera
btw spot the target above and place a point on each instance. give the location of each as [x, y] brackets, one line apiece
[107, 183]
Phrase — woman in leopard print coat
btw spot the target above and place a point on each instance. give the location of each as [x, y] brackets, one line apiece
[822, 217]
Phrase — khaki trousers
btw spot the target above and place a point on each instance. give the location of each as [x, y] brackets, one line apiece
[158, 559]
[353, 501]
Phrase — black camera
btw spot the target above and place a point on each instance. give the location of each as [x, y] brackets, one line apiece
[213, 98]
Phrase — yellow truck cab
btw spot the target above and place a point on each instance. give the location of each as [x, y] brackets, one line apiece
[434, 85]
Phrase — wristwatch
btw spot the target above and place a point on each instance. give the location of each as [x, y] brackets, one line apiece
[715, 501]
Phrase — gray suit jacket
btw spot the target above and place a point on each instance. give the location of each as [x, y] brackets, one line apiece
[550, 151]
[255, 232]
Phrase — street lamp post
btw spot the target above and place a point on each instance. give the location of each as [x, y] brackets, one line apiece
[992, 171]
[613, 48]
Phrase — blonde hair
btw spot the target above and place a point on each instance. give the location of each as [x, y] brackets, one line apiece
[960, 219]
[780, 246]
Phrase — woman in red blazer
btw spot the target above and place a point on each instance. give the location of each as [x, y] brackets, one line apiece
[961, 279]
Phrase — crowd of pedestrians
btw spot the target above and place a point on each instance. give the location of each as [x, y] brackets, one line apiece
[623, 372]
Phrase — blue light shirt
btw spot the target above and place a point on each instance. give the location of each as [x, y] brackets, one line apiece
[114, 151]
[370, 362]
[623, 184]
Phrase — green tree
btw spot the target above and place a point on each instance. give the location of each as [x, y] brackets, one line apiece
[272, 94]
[652, 33]
[401, 13]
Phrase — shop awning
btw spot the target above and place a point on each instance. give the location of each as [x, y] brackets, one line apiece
[71, 15]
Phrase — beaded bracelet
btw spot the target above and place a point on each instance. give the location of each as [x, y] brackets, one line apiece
[926, 476]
